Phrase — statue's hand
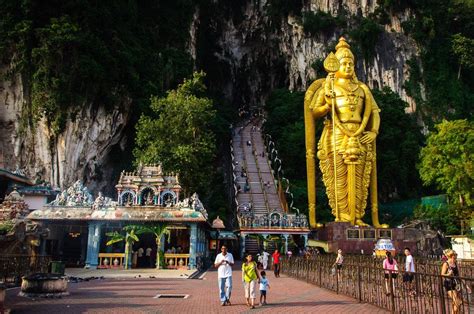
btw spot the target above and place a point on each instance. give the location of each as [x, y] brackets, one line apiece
[327, 87]
[368, 137]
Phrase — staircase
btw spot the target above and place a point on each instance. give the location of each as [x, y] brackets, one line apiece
[258, 201]
[263, 193]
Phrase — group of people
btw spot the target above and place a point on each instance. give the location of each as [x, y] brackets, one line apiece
[390, 267]
[449, 270]
[251, 276]
[143, 257]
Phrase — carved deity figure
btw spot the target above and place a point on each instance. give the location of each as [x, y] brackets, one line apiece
[149, 199]
[99, 202]
[346, 149]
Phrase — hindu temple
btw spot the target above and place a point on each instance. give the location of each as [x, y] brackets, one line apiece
[80, 226]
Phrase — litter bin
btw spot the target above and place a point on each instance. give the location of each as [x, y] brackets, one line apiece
[57, 267]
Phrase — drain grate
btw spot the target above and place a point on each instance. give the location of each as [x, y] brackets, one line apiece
[171, 296]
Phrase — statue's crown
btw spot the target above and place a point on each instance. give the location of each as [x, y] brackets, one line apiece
[343, 50]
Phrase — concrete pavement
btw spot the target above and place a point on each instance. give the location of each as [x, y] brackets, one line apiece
[131, 295]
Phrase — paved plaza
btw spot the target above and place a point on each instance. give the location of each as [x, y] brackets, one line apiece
[137, 295]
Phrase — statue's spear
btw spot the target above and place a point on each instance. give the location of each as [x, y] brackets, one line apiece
[331, 65]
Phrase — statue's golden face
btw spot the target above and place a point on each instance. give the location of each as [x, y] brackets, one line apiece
[346, 68]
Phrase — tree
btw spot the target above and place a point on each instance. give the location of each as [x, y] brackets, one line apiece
[446, 161]
[129, 238]
[398, 147]
[463, 48]
[178, 134]
[158, 231]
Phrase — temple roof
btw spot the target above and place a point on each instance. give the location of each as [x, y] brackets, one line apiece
[151, 175]
[218, 223]
[38, 190]
[121, 213]
[76, 203]
[15, 176]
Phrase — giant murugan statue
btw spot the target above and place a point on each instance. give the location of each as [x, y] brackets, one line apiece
[346, 149]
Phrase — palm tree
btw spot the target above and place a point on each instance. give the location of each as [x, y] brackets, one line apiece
[130, 237]
[159, 231]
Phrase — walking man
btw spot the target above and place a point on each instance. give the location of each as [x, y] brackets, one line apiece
[224, 262]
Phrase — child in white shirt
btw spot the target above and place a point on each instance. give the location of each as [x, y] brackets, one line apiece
[263, 288]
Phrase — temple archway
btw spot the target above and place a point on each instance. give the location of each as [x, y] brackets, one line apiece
[147, 196]
[275, 219]
[168, 198]
[127, 198]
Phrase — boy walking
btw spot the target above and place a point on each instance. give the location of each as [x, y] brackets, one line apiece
[264, 285]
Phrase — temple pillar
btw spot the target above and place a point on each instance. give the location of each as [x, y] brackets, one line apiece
[193, 238]
[286, 242]
[83, 247]
[93, 244]
[242, 245]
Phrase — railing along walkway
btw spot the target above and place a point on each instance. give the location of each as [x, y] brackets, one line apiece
[13, 267]
[367, 284]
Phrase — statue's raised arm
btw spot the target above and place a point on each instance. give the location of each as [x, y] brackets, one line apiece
[346, 149]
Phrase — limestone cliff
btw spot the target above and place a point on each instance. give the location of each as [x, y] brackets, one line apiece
[256, 55]
[83, 151]
[246, 54]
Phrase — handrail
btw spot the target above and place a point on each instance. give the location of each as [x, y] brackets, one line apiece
[421, 293]
[270, 152]
[277, 186]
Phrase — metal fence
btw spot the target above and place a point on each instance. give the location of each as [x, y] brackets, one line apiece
[366, 283]
[13, 267]
[427, 265]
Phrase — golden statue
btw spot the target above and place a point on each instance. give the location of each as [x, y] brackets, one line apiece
[346, 149]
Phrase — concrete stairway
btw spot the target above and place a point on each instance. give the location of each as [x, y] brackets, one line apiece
[251, 160]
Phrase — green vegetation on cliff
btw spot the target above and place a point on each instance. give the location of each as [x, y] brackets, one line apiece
[107, 53]
[443, 30]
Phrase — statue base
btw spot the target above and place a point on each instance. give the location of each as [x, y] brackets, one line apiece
[358, 240]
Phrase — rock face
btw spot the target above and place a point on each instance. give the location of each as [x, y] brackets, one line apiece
[82, 151]
[245, 53]
[258, 56]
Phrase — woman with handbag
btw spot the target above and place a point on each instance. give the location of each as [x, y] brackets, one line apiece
[390, 266]
[451, 283]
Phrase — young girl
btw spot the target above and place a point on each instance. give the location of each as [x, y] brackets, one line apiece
[390, 265]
